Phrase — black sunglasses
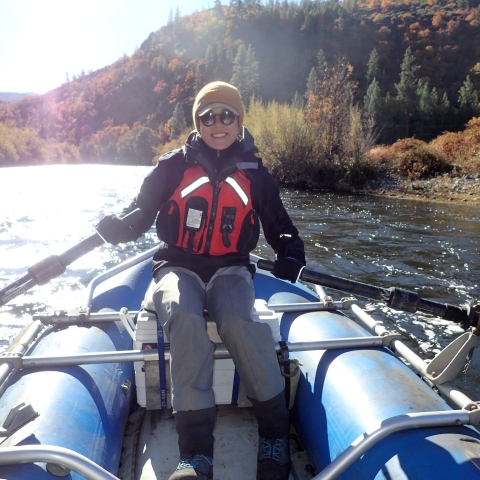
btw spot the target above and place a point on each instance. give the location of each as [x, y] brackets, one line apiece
[227, 117]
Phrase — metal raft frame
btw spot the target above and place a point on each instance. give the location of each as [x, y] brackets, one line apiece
[448, 364]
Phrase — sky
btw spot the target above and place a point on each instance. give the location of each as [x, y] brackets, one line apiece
[43, 40]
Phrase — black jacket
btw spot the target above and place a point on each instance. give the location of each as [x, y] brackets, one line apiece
[162, 181]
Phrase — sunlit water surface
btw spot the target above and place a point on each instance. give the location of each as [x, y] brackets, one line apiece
[430, 248]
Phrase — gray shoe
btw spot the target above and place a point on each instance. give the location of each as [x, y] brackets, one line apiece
[199, 467]
[273, 461]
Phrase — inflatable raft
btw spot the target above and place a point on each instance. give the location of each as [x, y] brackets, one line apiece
[85, 392]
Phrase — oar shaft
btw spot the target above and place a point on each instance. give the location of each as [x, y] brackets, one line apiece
[337, 283]
[77, 251]
[53, 266]
[345, 285]
[396, 298]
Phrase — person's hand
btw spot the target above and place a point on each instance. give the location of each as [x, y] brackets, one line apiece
[112, 229]
[288, 268]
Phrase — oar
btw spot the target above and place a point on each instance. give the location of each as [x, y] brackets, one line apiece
[396, 298]
[53, 266]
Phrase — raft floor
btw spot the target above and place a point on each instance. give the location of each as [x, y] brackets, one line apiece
[236, 443]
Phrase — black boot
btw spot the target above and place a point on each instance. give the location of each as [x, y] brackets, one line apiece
[273, 460]
[195, 442]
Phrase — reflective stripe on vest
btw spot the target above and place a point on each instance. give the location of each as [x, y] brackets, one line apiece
[193, 186]
[238, 189]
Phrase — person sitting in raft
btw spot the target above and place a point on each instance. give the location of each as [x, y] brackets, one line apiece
[207, 198]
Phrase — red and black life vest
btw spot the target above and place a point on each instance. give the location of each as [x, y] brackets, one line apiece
[203, 218]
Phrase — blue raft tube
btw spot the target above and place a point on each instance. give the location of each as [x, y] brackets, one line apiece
[360, 411]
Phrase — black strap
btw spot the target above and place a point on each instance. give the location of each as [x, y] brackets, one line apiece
[162, 367]
[286, 369]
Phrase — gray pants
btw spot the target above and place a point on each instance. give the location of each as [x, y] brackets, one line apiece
[180, 298]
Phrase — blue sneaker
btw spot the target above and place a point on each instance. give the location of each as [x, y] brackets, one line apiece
[198, 467]
[273, 460]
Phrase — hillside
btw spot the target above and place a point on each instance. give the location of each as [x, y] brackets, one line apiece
[123, 111]
[9, 96]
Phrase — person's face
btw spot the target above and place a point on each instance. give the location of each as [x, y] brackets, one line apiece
[219, 136]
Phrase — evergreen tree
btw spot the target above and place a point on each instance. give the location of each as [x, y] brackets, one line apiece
[159, 65]
[211, 61]
[445, 105]
[219, 70]
[298, 101]
[321, 64]
[350, 5]
[178, 123]
[312, 83]
[373, 69]
[427, 103]
[371, 101]
[468, 100]
[437, 113]
[434, 95]
[407, 96]
[245, 72]
[199, 80]
[238, 8]
[468, 96]
[253, 65]
[218, 9]
[444, 113]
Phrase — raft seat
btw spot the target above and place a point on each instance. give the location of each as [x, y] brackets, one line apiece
[226, 382]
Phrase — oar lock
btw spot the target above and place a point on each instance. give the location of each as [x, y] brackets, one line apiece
[405, 300]
[347, 302]
[63, 317]
[453, 359]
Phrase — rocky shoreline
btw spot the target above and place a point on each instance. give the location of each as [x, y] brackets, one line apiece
[446, 188]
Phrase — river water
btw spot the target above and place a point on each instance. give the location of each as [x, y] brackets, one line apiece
[430, 248]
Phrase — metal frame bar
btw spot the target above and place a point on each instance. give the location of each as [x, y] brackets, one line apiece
[149, 355]
[18, 349]
[86, 358]
[117, 269]
[447, 388]
[64, 318]
[391, 425]
[55, 455]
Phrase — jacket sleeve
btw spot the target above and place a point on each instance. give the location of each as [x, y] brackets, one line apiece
[157, 187]
[278, 228]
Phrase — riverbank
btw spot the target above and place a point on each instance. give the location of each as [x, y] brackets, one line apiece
[445, 188]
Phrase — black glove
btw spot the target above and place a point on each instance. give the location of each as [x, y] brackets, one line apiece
[288, 268]
[112, 229]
